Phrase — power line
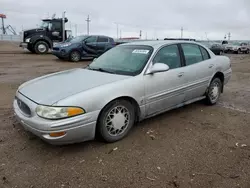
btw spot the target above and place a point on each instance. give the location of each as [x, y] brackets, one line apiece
[88, 20]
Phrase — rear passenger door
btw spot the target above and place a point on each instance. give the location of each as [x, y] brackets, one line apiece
[102, 43]
[199, 70]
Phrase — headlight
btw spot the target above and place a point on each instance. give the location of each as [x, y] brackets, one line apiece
[66, 44]
[51, 112]
[27, 40]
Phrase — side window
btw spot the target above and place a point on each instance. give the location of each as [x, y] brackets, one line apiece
[192, 53]
[56, 26]
[102, 39]
[91, 39]
[205, 53]
[169, 55]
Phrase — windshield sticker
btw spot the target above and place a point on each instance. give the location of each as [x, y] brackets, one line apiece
[141, 51]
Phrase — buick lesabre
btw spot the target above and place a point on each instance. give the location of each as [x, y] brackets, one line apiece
[125, 85]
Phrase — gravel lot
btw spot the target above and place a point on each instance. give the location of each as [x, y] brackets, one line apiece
[194, 146]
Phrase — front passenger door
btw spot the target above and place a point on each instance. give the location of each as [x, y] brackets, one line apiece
[89, 45]
[164, 90]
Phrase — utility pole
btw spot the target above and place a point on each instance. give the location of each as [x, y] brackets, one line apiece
[229, 36]
[140, 33]
[88, 20]
[63, 25]
[181, 32]
[117, 30]
[120, 33]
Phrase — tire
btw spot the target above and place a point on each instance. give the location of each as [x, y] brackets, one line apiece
[214, 91]
[41, 47]
[238, 51]
[107, 131]
[75, 56]
[247, 52]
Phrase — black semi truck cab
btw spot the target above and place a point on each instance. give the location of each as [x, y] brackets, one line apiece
[41, 39]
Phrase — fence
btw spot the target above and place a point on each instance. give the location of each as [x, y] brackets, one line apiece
[10, 37]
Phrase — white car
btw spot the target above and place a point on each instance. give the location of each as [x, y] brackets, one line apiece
[126, 84]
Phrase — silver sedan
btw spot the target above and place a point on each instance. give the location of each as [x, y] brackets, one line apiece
[125, 85]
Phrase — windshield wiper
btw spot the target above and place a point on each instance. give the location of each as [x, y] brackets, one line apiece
[101, 70]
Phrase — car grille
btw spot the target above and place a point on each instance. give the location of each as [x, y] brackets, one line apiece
[56, 49]
[23, 107]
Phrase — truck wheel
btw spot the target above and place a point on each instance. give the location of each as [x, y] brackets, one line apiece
[41, 47]
[75, 56]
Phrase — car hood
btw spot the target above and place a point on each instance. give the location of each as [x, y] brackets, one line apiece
[231, 46]
[52, 88]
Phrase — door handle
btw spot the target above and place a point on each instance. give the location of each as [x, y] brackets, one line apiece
[180, 74]
[210, 66]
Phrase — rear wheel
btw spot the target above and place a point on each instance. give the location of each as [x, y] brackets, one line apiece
[116, 120]
[41, 47]
[75, 56]
[214, 91]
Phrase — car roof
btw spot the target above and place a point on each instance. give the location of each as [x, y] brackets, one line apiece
[158, 43]
[93, 36]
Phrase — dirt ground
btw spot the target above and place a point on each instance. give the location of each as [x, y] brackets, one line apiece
[196, 146]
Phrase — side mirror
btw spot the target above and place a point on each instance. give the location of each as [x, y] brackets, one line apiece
[158, 67]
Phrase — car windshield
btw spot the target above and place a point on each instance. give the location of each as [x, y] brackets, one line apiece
[44, 24]
[235, 43]
[124, 59]
[76, 39]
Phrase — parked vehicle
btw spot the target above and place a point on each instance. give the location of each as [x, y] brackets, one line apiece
[126, 84]
[83, 47]
[40, 40]
[217, 48]
[236, 47]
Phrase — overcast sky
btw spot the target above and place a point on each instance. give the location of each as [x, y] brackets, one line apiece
[156, 19]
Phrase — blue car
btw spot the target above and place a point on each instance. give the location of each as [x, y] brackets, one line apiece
[77, 48]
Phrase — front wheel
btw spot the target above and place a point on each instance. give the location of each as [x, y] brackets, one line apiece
[41, 47]
[214, 91]
[116, 120]
[75, 56]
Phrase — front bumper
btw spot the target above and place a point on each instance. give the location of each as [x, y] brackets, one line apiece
[23, 44]
[62, 53]
[78, 129]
